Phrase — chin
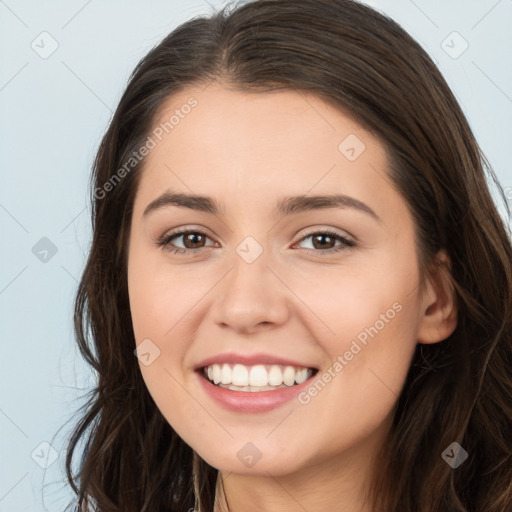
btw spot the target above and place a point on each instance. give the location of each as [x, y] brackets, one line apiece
[247, 459]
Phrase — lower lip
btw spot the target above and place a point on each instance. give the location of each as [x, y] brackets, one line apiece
[251, 402]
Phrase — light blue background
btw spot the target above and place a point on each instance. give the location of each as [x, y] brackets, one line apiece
[53, 113]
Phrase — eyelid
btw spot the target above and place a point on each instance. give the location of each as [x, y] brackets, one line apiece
[186, 229]
[311, 230]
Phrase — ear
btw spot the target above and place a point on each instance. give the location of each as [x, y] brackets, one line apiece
[438, 309]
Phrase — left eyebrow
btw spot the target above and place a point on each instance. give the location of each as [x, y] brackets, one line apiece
[286, 206]
[296, 204]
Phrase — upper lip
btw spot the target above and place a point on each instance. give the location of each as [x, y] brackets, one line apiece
[250, 360]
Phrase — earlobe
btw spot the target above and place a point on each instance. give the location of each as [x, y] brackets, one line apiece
[438, 314]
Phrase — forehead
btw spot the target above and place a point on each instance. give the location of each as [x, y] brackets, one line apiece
[226, 120]
[224, 143]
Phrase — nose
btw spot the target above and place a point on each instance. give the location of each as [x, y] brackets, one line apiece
[251, 297]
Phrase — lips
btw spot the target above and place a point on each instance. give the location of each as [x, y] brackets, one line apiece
[247, 399]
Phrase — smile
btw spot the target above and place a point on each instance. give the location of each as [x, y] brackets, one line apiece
[239, 377]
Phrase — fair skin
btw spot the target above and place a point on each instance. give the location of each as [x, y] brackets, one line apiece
[247, 151]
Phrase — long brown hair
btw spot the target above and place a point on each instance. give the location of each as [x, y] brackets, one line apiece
[458, 390]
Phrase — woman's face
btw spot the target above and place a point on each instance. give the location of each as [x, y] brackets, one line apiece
[272, 282]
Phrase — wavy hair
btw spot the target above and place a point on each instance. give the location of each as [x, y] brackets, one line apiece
[459, 390]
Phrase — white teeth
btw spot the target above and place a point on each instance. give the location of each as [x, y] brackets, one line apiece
[216, 374]
[256, 378]
[252, 389]
[289, 375]
[225, 374]
[275, 376]
[301, 375]
[240, 375]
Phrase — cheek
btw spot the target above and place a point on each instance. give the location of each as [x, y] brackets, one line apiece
[159, 297]
[368, 328]
[164, 302]
[153, 311]
[374, 300]
[355, 396]
[160, 322]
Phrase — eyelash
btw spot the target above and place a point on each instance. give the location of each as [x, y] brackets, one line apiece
[166, 239]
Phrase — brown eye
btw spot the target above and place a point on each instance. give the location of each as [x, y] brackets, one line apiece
[325, 242]
[191, 241]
